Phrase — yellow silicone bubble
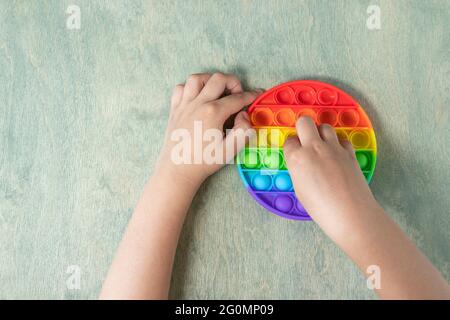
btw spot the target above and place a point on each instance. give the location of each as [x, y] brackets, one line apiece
[360, 139]
[275, 138]
[341, 134]
[262, 137]
[288, 133]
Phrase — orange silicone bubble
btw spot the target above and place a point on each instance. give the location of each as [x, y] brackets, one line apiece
[285, 117]
[305, 95]
[307, 112]
[285, 96]
[327, 97]
[327, 116]
[262, 117]
[348, 118]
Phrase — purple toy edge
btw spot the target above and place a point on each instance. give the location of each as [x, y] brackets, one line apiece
[275, 211]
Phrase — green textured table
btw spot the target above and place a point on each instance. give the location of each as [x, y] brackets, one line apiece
[83, 113]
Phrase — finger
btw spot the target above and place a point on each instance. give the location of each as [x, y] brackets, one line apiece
[177, 95]
[348, 146]
[236, 139]
[242, 120]
[235, 102]
[290, 149]
[194, 85]
[328, 134]
[216, 86]
[291, 144]
[307, 130]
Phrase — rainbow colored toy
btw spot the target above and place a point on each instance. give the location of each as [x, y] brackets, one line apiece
[273, 115]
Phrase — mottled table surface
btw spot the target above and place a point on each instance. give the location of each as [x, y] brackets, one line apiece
[82, 113]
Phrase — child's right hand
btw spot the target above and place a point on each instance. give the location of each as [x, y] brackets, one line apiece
[326, 176]
[330, 185]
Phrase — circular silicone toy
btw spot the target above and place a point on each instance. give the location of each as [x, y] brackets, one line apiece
[273, 115]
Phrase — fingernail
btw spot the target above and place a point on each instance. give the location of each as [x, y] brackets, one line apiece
[245, 115]
[306, 118]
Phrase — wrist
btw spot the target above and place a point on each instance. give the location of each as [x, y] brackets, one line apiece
[358, 227]
[175, 178]
[167, 191]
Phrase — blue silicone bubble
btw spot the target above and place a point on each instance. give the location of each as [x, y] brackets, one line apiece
[261, 182]
[283, 182]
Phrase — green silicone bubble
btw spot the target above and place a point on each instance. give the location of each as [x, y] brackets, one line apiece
[273, 160]
[363, 160]
[250, 159]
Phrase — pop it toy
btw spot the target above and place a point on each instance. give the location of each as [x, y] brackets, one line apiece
[273, 115]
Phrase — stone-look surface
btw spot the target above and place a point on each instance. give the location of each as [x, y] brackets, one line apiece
[82, 114]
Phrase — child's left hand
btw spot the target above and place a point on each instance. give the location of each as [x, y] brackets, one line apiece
[204, 102]
[143, 263]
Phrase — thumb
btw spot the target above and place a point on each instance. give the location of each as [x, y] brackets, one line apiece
[236, 138]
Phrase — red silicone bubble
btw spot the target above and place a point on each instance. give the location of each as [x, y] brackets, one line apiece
[307, 112]
[262, 117]
[285, 117]
[306, 95]
[348, 118]
[327, 97]
[285, 96]
[327, 116]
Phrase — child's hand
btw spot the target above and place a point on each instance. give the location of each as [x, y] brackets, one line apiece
[204, 102]
[327, 180]
[330, 185]
[326, 176]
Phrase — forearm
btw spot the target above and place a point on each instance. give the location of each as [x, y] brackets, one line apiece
[143, 263]
[405, 272]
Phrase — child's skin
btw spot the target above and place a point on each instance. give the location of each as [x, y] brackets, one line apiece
[326, 178]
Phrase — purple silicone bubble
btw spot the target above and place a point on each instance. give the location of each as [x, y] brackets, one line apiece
[284, 203]
[267, 199]
[299, 206]
[300, 210]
